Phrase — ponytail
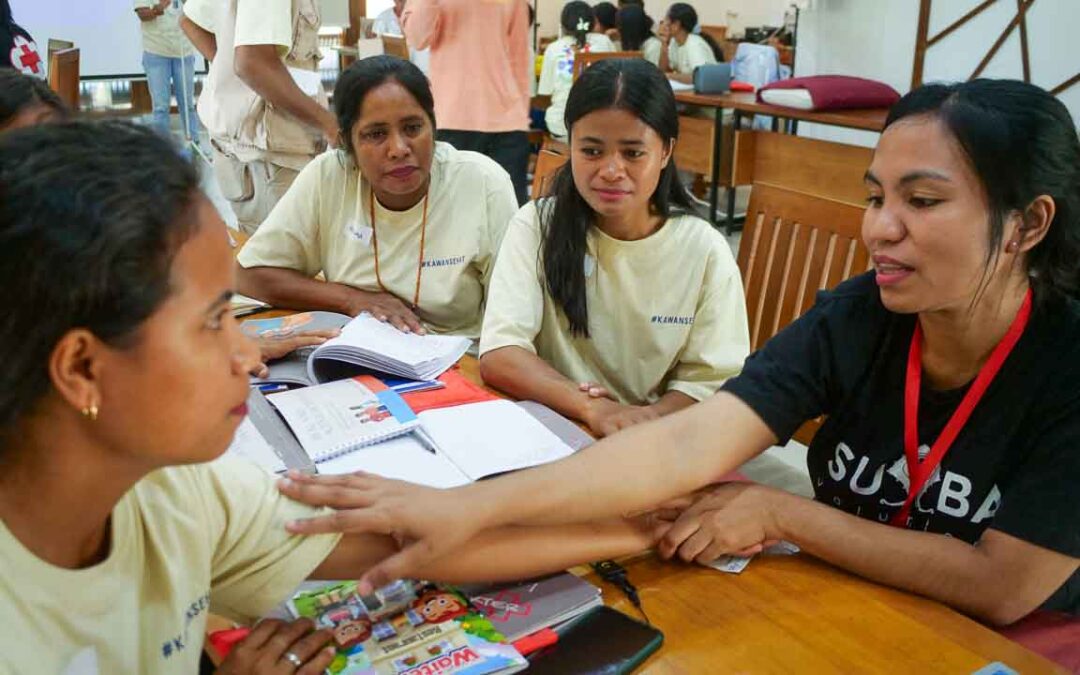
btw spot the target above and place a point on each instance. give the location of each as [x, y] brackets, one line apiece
[577, 20]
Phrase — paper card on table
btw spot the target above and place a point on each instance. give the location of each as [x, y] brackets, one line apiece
[730, 564]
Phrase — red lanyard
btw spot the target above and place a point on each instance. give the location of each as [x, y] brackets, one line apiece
[920, 472]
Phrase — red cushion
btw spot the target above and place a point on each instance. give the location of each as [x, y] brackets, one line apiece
[1054, 635]
[836, 92]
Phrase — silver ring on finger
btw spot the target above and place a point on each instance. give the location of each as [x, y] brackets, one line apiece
[293, 659]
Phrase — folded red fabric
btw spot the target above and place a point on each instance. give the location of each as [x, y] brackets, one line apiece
[837, 92]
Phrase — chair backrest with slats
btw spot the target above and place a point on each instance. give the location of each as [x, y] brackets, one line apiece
[550, 159]
[802, 231]
[794, 245]
[583, 60]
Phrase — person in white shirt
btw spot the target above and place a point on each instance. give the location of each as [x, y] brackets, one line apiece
[400, 225]
[557, 75]
[168, 55]
[685, 50]
[611, 302]
[388, 22]
[636, 30]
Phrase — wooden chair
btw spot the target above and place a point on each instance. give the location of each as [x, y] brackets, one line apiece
[583, 60]
[550, 159]
[802, 230]
[395, 46]
[718, 33]
[64, 75]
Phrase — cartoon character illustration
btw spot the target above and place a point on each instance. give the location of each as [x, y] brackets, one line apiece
[899, 472]
[370, 413]
[351, 632]
[438, 606]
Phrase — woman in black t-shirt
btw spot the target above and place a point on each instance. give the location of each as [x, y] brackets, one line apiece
[974, 229]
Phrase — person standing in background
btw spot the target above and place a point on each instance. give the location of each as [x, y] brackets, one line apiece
[388, 23]
[17, 49]
[167, 55]
[480, 76]
[263, 102]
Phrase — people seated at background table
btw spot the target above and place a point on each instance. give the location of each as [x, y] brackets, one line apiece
[636, 32]
[684, 50]
[611, 301]
[606, 22]
[401, 226]
[27, 101]
[557, 75]
[973, 307]
[125, 375]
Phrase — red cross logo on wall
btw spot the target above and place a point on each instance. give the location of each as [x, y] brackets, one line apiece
[24, 56]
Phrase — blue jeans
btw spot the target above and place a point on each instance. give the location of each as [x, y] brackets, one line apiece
[181, 71]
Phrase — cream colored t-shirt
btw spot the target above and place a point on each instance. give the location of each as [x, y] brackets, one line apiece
[185, 541]
[557, 76]
[322, 225]
[666, 313]
[162, 35]
[651, 49]
[685, 57]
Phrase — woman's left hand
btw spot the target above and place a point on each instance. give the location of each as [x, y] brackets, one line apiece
[731, 519]
[274, 346]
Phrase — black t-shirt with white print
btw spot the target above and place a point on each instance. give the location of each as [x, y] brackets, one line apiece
[19, 51]
[1014, 467]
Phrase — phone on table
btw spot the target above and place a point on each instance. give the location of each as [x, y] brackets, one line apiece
[604, 641]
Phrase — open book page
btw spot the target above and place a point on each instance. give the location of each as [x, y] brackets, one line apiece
[250, 444]
[369, 342]
[402, 458]
[339, 416]
[492, 437]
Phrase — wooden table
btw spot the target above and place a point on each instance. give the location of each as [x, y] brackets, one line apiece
[788, 614]
[866, 119]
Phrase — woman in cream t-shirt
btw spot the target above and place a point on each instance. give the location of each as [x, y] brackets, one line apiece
[610, 302]
[400, 226]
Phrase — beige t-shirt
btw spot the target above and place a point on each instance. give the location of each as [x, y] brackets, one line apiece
[650, 50]
[685, 57]
[236, 118]
[162, 35]
[322, 224]
[665, 313]
[185, 541]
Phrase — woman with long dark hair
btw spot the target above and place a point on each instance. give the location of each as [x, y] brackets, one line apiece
[611, 301]
[557, 76]
[948, 464]
[636, 31]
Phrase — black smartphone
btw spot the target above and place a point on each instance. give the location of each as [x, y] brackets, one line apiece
[602, 642]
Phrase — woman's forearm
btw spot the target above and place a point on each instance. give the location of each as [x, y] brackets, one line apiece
[503, 554]
[633, 470]
[289, 289]
[998, 581]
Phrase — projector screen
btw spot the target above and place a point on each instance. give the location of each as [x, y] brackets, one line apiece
[105, 31]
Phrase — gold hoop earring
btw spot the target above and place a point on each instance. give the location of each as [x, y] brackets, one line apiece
[90, 412]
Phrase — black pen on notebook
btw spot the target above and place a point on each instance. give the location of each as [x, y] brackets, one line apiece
[425, 440]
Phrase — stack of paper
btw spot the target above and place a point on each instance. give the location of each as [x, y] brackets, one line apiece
[367, 342]
[242, 305]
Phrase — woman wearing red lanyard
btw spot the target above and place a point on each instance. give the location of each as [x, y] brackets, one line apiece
[950, 462]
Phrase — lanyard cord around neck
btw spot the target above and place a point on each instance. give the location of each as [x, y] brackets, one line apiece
[920, 471]
[375, 245]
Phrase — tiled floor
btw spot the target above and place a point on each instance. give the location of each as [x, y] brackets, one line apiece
[783, 467]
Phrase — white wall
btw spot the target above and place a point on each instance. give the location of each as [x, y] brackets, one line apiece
[876, 39]
[732, 13]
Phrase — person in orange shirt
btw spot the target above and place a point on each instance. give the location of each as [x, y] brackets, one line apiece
[479, 75]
